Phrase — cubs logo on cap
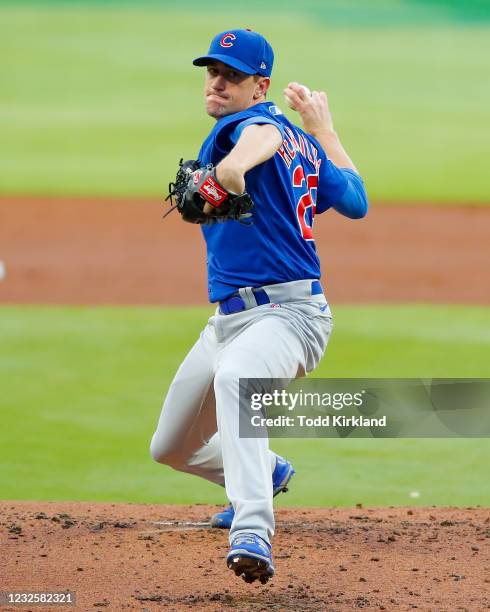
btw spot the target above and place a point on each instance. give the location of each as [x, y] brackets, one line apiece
[244, 50]
[227, 40]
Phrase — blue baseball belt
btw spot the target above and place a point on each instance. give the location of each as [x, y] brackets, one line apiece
[250, 297]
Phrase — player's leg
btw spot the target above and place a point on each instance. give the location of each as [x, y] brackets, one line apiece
[184, 435]
[267, 348]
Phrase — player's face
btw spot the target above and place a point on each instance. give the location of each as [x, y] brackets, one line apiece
[228, 91]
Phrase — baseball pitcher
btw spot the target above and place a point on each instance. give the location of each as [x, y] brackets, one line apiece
[255, 188]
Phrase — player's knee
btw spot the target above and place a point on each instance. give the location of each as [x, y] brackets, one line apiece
[165, 454]
[157, 453]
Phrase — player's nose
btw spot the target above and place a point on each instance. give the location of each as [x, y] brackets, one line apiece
[219, 82]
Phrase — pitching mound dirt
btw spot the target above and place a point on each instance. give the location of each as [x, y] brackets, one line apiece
[119, 557]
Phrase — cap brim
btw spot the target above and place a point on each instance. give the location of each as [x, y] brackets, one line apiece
[226, 59]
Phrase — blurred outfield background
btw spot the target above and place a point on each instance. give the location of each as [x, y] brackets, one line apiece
[100, 98]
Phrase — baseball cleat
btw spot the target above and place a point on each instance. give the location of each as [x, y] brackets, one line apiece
[223, 519]
[283, 472]
[251, 558]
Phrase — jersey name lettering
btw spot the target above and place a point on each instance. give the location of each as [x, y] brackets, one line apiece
[295, 143]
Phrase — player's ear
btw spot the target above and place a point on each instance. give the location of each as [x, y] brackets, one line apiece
[261, 86]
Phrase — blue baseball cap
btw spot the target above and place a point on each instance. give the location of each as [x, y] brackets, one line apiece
[243, 50]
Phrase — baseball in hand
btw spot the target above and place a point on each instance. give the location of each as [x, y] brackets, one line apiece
[288, 99]
[306, 90]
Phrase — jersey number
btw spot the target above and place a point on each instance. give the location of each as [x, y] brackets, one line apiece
[305, 201]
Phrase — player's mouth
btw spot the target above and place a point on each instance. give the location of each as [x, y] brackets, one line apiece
[219, 97]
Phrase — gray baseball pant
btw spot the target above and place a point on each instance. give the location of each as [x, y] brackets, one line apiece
[198, 427]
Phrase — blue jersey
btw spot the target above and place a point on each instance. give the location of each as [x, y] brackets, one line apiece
[288, 189]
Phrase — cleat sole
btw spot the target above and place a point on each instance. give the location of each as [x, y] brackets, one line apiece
[251, 569]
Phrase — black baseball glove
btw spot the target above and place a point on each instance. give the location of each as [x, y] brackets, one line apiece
[195, 185]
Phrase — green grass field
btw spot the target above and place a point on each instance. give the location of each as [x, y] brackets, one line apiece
[81, 390]
[101, 97]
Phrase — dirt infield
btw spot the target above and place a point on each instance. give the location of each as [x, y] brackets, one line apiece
[120, 557]
[74, 251]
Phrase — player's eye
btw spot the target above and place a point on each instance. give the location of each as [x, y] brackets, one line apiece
[234, 76]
